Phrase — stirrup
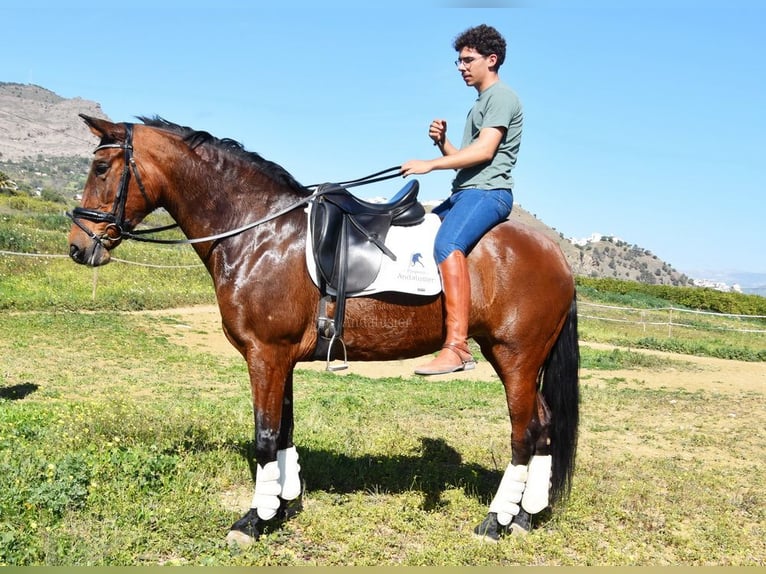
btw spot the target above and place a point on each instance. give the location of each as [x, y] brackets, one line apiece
[340, 366]
[465, 364]
[468, 363]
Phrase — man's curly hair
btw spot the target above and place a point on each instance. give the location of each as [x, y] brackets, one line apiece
[485, 40]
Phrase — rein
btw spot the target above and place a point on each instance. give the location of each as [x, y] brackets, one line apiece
[116, 217]
[318, 191]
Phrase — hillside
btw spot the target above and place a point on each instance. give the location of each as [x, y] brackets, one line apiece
[608, 257]
[45, 148]
[35, 121]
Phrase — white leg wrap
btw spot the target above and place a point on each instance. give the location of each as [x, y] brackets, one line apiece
[267, 490]
[289, 473]
[535, 496]
[509, 493]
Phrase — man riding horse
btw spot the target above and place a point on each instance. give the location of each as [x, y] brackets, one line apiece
[482, 192]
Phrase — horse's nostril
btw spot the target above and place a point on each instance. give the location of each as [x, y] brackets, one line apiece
[74, 252]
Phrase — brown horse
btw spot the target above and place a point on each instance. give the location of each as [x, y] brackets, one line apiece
[245, 217]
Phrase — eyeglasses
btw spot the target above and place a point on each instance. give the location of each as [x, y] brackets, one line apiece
[467, 61]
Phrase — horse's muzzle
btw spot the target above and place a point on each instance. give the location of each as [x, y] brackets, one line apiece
[92, 253]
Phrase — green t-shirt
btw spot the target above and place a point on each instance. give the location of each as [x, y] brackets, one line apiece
[497, 106]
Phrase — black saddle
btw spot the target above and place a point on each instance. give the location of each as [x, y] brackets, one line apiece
[348, 234]
[348, 238]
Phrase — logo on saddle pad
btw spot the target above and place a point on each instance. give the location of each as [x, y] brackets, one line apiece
[419, 273]
[416, 259]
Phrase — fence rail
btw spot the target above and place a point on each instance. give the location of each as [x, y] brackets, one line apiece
[125, 261]
[670, 317]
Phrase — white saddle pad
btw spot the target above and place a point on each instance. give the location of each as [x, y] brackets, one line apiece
[414, 271]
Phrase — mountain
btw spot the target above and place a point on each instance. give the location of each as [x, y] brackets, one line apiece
[44, 144]
[35, 121]
[606, 256]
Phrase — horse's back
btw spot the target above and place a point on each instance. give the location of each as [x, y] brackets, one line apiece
[514, 249]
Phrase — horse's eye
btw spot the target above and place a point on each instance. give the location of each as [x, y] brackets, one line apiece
[100, 168]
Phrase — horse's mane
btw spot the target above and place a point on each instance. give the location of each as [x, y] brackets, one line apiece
[195, 138]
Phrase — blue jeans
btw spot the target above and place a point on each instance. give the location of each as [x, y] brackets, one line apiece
[466, 216]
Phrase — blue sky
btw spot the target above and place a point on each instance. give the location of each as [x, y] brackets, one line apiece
[643, 119]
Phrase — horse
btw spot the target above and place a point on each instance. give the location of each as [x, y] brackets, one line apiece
[245, 218]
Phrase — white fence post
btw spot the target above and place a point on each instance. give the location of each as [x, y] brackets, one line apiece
[670, 322]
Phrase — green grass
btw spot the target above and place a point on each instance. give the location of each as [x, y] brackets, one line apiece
[622, 359]
[145, 277]
[740, 339]
[119, 447]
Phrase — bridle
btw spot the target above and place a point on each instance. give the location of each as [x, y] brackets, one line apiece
[115, 219]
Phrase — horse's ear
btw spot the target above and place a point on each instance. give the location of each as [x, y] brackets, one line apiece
[104, 129]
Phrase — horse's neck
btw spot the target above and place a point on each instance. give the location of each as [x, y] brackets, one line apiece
[210, 207]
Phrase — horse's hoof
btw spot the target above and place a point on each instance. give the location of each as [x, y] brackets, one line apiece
[521, 523]
[239, 539]
[250, 527]
[490, 530]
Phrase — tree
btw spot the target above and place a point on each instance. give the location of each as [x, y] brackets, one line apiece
[7, 184]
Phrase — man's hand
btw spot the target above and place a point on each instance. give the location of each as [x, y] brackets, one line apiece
[437, 131]
[416, 167]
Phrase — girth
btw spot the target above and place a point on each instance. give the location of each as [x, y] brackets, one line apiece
[348, 237]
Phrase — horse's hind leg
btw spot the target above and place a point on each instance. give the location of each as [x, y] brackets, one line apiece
[529, 420]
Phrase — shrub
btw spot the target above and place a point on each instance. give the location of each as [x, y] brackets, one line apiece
[699, 298]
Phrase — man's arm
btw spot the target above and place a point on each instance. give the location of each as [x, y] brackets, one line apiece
[480, 151]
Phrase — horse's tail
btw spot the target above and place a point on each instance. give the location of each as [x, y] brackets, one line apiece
[560, 389]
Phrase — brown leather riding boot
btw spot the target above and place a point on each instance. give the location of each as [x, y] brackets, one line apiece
[456, 284]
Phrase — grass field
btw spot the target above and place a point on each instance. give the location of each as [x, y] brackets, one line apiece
[121, 446]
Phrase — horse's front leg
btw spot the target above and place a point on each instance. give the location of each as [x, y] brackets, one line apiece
[277, 494]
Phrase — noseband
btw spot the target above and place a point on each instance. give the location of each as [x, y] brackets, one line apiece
[115, 219]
